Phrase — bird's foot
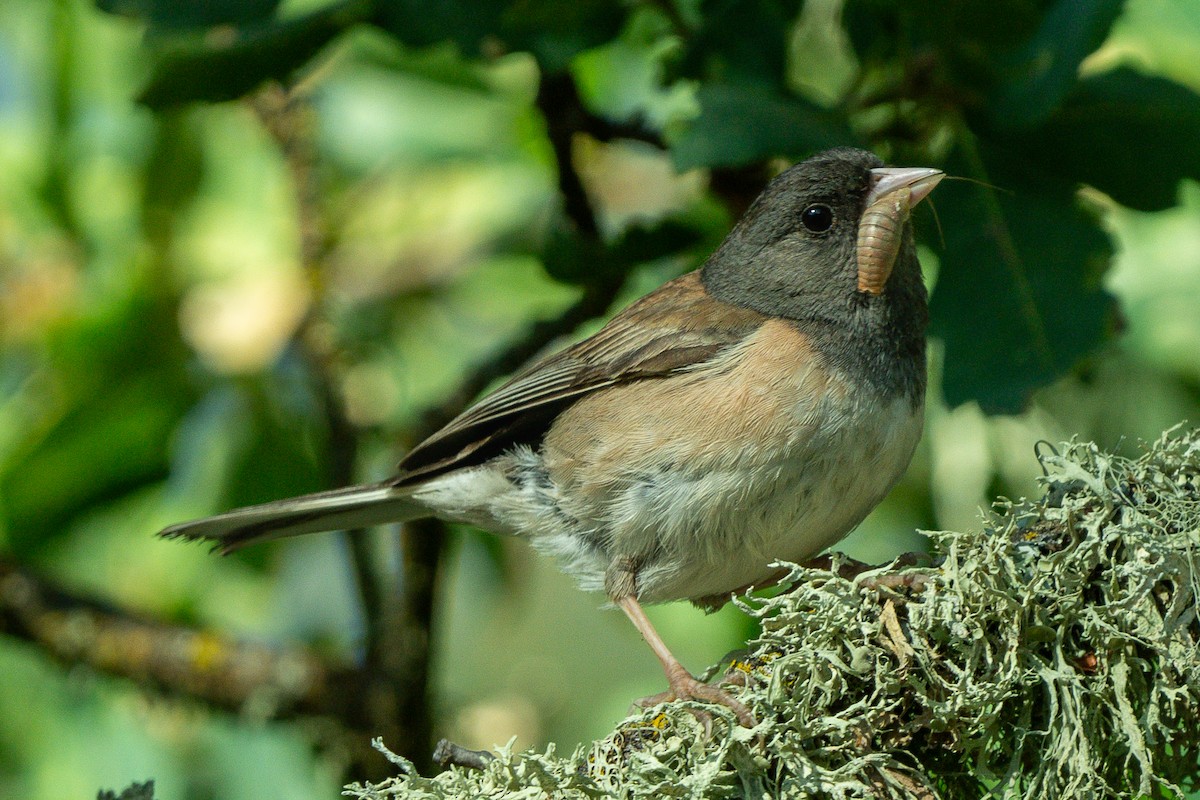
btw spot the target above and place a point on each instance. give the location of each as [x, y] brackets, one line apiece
[685, 687]
[682, 685]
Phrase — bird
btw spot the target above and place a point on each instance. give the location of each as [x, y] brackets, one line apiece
[750, 412]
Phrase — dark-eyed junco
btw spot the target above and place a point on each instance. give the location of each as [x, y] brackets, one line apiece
[751, 411]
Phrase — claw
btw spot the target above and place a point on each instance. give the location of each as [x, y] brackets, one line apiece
[683, 686]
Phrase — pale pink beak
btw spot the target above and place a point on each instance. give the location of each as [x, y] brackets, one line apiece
[894, 192]
[918, 180]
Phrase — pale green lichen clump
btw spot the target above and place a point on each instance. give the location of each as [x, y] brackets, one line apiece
[1052, 654]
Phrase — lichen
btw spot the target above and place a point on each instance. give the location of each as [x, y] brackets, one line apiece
[1051, 653]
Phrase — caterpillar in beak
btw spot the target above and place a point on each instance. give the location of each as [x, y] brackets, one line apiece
[880, 232]
[894, 193]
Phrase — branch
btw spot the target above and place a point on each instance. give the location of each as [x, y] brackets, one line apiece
[224, 673]
[390, 687]
[288, 117]
[1054, 653]
[409, 621]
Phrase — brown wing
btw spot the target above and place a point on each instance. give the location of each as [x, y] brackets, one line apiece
[673, 328]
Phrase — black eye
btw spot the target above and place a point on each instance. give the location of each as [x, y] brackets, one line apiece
[817, 218]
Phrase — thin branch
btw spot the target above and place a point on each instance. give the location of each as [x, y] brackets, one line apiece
[380, 693]
[288, 117]
[407, 639]
[224, 673]
[565, 116]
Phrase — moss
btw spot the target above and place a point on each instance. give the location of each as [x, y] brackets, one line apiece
[1052, 653]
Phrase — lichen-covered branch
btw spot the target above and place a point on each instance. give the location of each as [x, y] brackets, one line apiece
[1054, 653]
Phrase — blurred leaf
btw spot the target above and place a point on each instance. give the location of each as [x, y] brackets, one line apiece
[740, 41]
[1130, 135]
[554, 32]
[173, 176]
[741, 124]
[248, 441]
[135, 791]
[872, 26]
[419, 24]
[205, 444]
[640, 245]
[571, 258]
[191, 13]
[1018, 300]
[119, 379]
[960, 40]
[625, 79]
[440, 64]
[1047, 66]
[226, 66]
[99, 452]
[282, 453]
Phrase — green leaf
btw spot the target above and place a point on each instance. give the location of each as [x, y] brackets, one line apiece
[1130, 135]
[217, 68]
[282, 451]
[571, 258]
[641, 245]
[101, 451]
[442, 64]
[180, 14]
[113, 387]
[625, 79]
[956, 42]
[554, 32]
[1040, 73]
[1018, 300]
[418, 23]
[250, 440]
[568, 257]
[746, 123]
[741, 41]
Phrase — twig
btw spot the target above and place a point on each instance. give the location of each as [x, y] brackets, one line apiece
[225, 673]
[560, 103]
[287, 116]
[563, 111]
[381, 692]
[407, 637]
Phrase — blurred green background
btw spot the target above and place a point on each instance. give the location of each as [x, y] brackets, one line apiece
[162, 261]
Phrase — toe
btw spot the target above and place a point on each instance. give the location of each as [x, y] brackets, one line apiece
[688, 688]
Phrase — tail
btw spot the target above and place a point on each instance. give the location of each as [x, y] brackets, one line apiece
[339, 509]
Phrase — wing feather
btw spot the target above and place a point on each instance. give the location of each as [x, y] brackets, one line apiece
[675, 328]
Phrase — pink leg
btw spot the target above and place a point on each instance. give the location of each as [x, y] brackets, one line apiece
[682, 685]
